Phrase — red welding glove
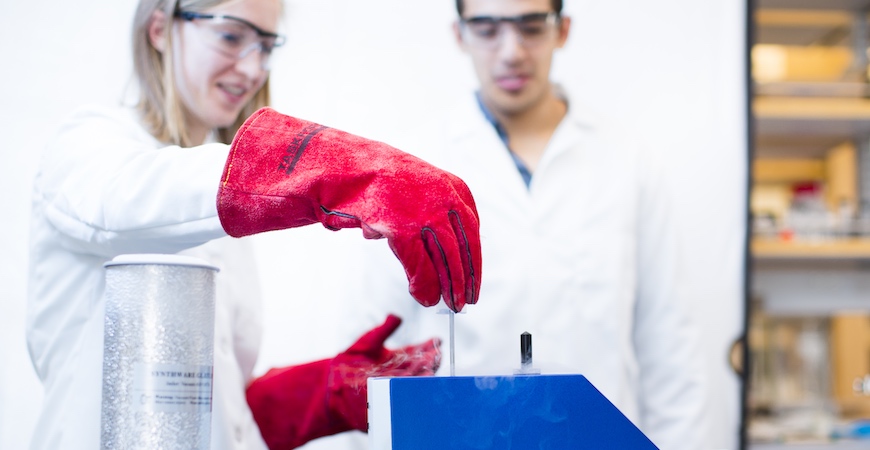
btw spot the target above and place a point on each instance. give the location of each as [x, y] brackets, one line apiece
[284, 172]
[294, 405]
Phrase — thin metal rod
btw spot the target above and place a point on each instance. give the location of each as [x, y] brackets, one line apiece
[451, 314]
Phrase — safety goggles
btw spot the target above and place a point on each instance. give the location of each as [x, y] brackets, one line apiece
[488, 31]
[234, 37]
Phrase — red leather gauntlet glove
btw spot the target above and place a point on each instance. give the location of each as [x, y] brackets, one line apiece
[294, 405]
[284, 172]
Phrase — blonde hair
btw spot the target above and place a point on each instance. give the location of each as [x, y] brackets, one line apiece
[159, 105]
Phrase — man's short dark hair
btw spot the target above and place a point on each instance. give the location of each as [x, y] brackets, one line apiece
[557, 6]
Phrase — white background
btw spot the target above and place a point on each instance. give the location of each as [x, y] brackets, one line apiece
[670, 68]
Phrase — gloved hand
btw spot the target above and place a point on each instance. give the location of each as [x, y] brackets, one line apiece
[284, 172]
[294, 405]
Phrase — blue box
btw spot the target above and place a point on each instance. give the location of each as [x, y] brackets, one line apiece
[503, 412]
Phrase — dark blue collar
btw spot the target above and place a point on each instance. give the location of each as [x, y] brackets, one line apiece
[502, 134]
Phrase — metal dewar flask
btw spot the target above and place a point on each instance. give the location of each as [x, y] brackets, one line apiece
[158, 353]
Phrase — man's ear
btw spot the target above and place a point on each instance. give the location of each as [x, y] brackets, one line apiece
[564, 30]
[457, 34]
[157, 30]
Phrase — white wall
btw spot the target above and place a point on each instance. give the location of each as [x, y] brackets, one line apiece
[673, 68]
[56, 57]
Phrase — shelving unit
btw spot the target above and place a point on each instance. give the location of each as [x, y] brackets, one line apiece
[832, 249]
[812, 125]
[824, 99]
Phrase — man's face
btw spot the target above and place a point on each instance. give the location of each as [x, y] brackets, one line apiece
[512, 58]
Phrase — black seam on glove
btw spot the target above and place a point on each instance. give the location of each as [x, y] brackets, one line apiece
[451, 301]
[339, 214]
[473, 299]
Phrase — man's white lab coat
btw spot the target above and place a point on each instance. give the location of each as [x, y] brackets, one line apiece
[585, 259]
[106, 187]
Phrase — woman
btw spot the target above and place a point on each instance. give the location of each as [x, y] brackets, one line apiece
[145, 180]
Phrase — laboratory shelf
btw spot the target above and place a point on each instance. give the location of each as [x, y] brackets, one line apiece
[839, 445]
[775, 249]
[808, 126]
[810, 98]
[844, 5]
[812, 108]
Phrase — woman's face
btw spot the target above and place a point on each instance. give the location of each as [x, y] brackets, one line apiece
[214, 85]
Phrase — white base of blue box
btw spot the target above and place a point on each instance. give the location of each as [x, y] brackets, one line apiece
[506, 413]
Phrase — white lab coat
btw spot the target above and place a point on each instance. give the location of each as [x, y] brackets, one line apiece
[585, 260]
[106, 187]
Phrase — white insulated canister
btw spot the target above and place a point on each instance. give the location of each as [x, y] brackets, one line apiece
[158, 352]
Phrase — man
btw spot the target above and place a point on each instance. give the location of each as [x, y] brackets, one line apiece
[577, 247]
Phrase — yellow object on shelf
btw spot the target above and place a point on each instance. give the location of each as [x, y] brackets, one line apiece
[793, 63]
[850, 358]
[841, 177]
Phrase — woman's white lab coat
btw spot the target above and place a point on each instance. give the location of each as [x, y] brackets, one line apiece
[585, 259]
[106, 187]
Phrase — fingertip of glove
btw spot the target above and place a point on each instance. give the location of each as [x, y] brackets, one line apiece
[428, 299]
[392, 321]
[470, 297]
[455, 304]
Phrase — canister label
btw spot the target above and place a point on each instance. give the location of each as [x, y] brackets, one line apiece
[171, 388]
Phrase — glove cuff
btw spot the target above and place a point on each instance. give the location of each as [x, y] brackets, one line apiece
[255, 194]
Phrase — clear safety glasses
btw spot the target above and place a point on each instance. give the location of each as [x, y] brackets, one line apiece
[531, 30]
[234, 37]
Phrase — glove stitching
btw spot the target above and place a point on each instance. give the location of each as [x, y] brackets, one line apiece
[443, 260]
[473, 298]
[239, 137]
[339, 214]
